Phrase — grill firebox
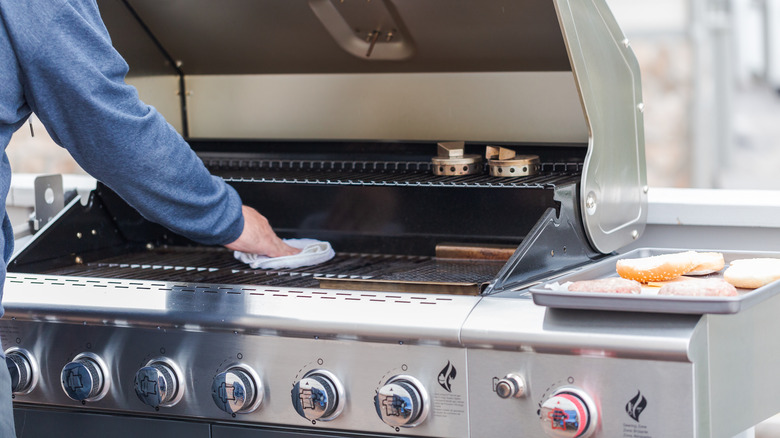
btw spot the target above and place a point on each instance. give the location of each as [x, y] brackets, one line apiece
[384, 215]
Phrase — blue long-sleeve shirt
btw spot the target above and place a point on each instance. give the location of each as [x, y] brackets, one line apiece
[56, 59]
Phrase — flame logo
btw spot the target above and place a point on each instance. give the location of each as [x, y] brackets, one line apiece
[636, 405]
[446, 376]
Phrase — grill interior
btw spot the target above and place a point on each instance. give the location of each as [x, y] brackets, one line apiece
[379, 205]
[217, 265]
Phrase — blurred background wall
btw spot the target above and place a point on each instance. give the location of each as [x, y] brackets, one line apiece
[711, 86]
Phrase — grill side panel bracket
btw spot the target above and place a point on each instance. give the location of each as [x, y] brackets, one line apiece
[554, 245]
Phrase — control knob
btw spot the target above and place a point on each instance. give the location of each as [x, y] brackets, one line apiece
[84, 379]
[157, 384]
[23, 370]
[237, 390]
[319, 395]
[569, 413]
[402, 402]
[512, 385]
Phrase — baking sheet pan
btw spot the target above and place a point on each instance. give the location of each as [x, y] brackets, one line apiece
[647, 301]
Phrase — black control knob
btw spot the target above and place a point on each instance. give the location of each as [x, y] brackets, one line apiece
[402, 402]
[23, 370]
[318, 396]
[157, 384]
[237, 390]
[83, 379]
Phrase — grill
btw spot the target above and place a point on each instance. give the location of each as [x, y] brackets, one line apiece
[327, 117]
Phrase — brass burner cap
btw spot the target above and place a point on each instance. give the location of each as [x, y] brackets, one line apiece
[451, 166]
[520, 165]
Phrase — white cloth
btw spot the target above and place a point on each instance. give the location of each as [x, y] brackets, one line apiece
[313, 252]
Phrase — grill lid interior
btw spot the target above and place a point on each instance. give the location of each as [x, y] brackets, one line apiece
[543, 72]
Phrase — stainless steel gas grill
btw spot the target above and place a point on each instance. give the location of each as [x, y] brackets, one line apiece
[337, 120]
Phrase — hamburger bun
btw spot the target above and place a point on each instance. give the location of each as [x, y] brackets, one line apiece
[752, 273]
[657, 268]
[708, 262]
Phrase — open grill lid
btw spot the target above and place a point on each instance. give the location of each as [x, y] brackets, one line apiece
[542, 72]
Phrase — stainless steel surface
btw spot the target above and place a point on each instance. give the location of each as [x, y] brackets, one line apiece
[199, 36]
[363, 339]
[367, 110]
[255, 309]
[646, 301]
[687, 374]
[357, 29]
[49, 199]
[608, 80]
[679, 363]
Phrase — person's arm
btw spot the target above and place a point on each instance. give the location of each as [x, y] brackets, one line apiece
[74, 82]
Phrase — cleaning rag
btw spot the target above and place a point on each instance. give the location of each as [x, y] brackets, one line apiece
[313, 252]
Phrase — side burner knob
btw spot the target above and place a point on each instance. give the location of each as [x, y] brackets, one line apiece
[319, 395]
[402, 402]
[83, 379]
[569, 413]
[157, 384]
[510, 386]
[237, 390]
[23, 370]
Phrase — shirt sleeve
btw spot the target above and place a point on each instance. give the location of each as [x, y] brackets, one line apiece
[74, 82]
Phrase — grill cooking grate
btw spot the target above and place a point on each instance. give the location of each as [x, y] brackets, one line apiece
[217, 265]
[386, 173]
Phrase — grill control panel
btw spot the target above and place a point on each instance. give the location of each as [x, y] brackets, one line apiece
[307, 383]
[576, 396]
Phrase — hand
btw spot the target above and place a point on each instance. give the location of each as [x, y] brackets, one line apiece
[259, 238]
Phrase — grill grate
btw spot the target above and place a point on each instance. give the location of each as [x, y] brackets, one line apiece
[218, 266]
[380, 174]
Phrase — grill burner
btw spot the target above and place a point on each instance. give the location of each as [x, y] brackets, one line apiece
[217, 265]
[452, 161]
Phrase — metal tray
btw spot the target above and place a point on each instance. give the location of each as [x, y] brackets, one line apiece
[644, 302]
